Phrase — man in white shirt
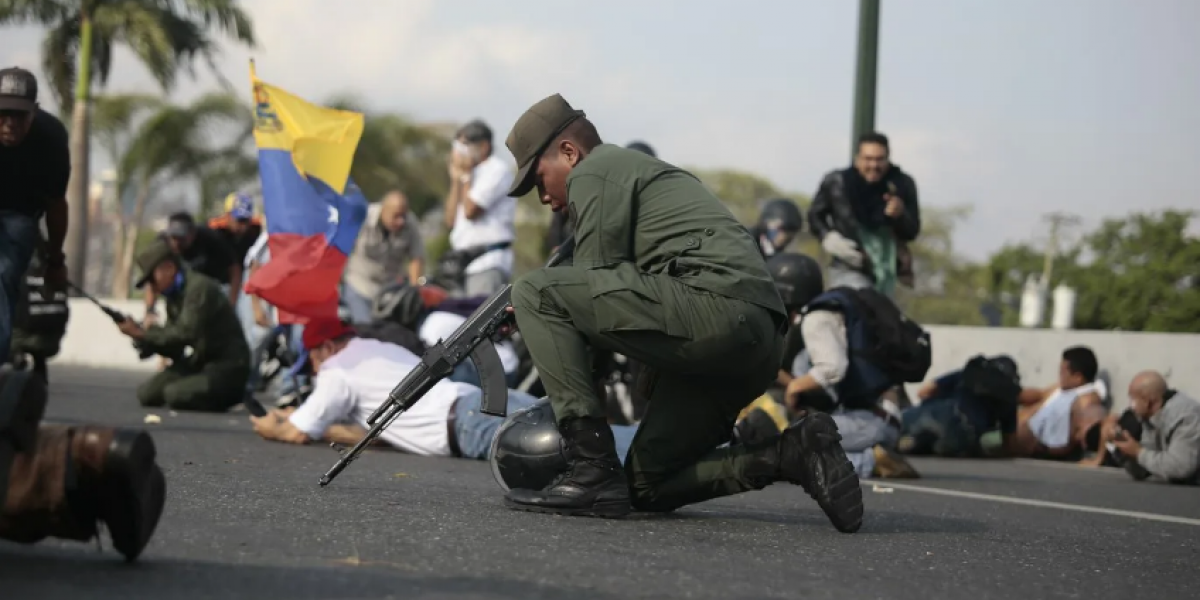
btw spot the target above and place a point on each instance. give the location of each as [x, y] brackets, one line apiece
[354, 376]
[479, 213]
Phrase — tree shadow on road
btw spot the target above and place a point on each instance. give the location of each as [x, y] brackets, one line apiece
[48, 573]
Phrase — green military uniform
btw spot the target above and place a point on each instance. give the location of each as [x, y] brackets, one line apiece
[662, 273]
[199, 316]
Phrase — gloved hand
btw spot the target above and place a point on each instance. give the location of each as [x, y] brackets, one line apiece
[843, 248]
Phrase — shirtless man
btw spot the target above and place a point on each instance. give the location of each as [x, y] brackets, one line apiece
[1061, 421]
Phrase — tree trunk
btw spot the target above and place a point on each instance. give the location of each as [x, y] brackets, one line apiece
[77, 189]
[124, 269]
[118, 254]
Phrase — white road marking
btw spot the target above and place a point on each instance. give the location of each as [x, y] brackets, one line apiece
[1041, 503]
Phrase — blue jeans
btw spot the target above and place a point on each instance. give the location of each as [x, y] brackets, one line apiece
[942, 427]
[358, 305]
[18, 237]
[475, 430]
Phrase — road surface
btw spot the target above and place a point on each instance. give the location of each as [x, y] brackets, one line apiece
[245, 518]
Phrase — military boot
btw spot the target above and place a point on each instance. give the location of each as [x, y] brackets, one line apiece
[79, 477]
[594, 483]
[809, 454]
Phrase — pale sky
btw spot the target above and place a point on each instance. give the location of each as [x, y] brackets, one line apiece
[1017, 107]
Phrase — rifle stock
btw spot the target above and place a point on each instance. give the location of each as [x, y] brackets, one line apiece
[473, 339]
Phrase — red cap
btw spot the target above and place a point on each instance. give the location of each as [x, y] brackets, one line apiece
[319, 331]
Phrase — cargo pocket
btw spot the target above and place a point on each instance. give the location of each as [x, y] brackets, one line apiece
[624, 299]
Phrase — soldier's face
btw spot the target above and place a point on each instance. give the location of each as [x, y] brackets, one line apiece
[164, 276]
[14, 126]
[553, 167]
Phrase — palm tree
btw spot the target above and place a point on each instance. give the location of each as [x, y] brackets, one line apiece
[115, 121]
[165, 35]
[397, 153]
[177, 142]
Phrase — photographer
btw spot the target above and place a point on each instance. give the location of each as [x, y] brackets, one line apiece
[1169, 442]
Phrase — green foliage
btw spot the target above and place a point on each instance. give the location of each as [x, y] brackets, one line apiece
[167, 36]
[1138, 273]
[1144, 275]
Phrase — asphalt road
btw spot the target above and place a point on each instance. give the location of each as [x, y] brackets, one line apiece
[246, 519]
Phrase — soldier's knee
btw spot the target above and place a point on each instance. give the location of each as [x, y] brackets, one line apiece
[527, 291]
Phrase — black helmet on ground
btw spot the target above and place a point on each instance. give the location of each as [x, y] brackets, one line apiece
[527, 451]
[642, 147]
[797, 278]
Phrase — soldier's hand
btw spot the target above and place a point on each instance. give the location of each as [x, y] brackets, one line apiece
[509, 327]
[150, 320]
[131, 328]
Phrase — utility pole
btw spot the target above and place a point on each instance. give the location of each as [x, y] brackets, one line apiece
[1058, 221]
[866, 71]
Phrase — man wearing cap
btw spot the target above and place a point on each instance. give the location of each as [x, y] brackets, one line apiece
[239, 226]
[203, 251]
[560, 227]
[355, 375]
[479, 214]
[35, 165]
[213, 377]
[663, 273]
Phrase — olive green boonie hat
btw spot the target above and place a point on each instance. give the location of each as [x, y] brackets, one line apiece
[532, 133]
[157, 252]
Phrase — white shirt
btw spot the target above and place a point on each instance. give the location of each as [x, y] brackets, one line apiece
[490, 181]
[1051, 424]
[439, 325]
[357, 380]
[258, 252]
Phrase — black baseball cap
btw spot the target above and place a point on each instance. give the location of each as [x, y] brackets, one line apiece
[18, 89]
[533, 132]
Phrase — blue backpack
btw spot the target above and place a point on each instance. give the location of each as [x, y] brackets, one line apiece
[886, 347]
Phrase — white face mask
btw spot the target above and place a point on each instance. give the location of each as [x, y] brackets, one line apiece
[462, 149]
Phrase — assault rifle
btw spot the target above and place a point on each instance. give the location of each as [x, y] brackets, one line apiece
[474, 339]
[117, 316]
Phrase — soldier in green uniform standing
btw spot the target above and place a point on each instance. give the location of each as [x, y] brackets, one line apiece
[199, 316]
[662, 273]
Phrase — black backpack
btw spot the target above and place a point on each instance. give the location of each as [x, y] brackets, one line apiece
[895, 344]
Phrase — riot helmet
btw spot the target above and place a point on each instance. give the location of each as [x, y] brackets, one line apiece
[527, 451]
[399, 303]
[642, 147]
[797, 278]
[780, 221]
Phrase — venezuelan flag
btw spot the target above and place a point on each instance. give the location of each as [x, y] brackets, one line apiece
[312, 208]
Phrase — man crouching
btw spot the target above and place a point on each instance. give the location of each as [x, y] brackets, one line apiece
[664, 274]
[200, 317]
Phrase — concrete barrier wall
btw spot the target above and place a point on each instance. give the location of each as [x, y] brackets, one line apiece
[93, 340]
[1038, 353]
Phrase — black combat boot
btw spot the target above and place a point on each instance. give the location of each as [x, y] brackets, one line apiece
[809, 454]
[594, 483]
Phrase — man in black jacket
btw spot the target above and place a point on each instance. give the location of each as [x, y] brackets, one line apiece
[865, 216]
